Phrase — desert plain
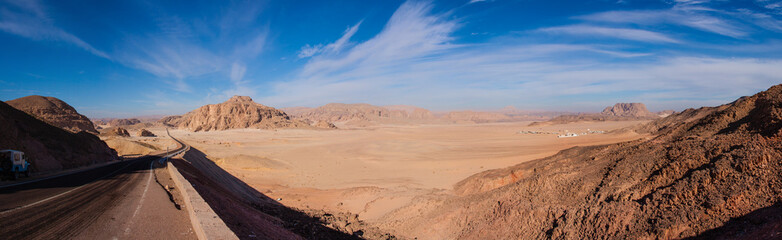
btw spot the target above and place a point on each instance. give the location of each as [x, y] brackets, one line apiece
[372, 171]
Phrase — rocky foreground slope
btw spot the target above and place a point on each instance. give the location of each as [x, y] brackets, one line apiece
[55, 112]
[708, 173]
[47, 147]
[237, 112]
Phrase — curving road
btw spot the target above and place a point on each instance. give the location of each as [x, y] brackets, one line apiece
[117, 201]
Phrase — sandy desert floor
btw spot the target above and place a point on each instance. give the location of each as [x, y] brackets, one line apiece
[373, 171]
[132, 146]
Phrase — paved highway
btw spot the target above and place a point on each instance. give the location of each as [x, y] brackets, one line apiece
[117, 201]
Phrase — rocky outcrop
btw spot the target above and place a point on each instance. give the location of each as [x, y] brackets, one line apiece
[115, 132]
[366, 115]
[665, 113]
[47, 147]
[340, 112]
[618, 112]
[477, 117]
[55, 112]
[708, 172]
[628, 110]
[237, 112]
[124, 122]
[146, 133]
[324, 124]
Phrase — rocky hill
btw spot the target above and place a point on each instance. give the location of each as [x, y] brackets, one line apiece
[47, 147]
[707, 173]
[123, 122]
[55, 112]
[476, 117]
[237, 112]
[618, 112]
[365, 115]
[628, 110]
[145, 133]
[114, 132]
[360, 114]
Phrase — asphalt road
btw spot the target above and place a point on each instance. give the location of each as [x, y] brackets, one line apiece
[117, 201]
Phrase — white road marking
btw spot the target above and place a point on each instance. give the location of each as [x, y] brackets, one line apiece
[66, 192]
[143, 195]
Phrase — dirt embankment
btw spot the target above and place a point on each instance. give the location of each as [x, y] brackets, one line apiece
[708, 172]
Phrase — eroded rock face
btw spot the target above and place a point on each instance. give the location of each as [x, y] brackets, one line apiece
[55, 112]
[47, 147]
[237, 112]
[710, 169]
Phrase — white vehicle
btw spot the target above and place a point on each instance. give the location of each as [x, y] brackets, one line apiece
[13, 163]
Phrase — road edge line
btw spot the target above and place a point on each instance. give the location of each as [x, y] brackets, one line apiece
[217, 228]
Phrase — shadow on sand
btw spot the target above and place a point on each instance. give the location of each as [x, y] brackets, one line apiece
[247, 212]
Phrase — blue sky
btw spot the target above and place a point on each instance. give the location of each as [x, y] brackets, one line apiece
[131, 58]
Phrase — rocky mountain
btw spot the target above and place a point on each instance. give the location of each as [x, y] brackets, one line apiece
[628, 110]
[360, 114]
[476, 117]
[365, 115]
[237, 112]
[123, 122]
[412, 112]
[713, 172]
[55, 112]
[618, 112]
[47, 147]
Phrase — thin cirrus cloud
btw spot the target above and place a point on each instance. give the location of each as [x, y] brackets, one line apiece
[688, 16]
[621, 33]
[172, 50]
[335, 47]
[29, 19]
[175, 50]
[415, 56]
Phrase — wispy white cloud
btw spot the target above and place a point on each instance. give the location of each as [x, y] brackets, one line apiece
[428, 68]
[688, 16]
[237, 71]
[410, 33]
[177, 53]
[29, 19]
[622, 33]
[331, 48]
